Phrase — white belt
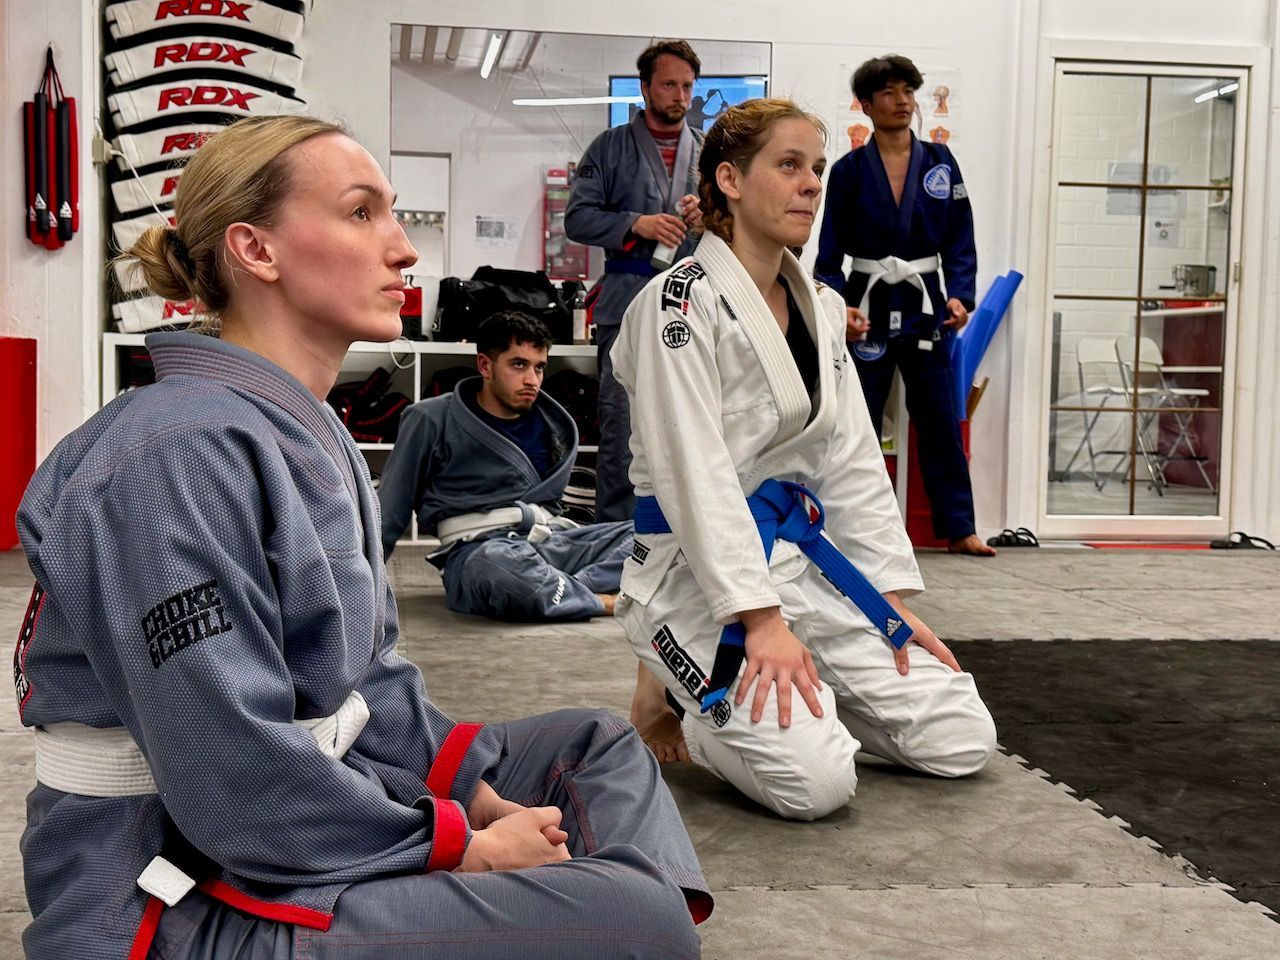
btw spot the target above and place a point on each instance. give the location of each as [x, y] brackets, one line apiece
[896, 270]
[105, 762]
[531, 520]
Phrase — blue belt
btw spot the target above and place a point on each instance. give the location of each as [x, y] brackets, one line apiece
[641, 268]
[781, 512]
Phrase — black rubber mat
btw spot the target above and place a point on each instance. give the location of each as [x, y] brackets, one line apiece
[1180, 738]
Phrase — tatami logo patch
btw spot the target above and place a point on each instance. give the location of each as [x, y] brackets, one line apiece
[639, 552]
[675, 289]
[687, 672]
[184, 618]
[676, 334]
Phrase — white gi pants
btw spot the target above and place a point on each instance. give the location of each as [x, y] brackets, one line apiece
[931, 720]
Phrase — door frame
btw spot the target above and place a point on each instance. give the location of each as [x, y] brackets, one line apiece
[1243, 402]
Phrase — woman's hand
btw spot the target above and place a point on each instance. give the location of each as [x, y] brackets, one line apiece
[920, 634]
[529, 837]
[487, 807]
[775, 655]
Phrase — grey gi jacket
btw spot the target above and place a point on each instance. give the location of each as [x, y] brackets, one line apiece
[622, 177]
[447, 462]
[208, 570]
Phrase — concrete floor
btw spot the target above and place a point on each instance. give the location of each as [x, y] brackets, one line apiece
[1004, 866]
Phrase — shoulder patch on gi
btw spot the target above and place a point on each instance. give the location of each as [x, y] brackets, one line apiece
[22, 685]
[675, 289]
[868, 350]
[687, 673]
[183, 619]
[959, 191]
[937, 182]
[676, 334]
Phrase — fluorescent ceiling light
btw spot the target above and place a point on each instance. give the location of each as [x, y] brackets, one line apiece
[571, 101]
[491, 55]
[1222, 91]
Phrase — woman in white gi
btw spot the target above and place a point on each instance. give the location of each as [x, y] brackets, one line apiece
[738, 374]
[233, 760]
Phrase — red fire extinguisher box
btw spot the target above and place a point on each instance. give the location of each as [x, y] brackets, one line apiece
[17, 430]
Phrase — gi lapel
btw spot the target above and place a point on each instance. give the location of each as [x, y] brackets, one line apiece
[684, 166]
[731, 280]
[909, 191]
[649, 150]
[806, 297]
[881, 177]
[371, 523]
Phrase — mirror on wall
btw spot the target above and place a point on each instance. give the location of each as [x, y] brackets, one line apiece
[509, 114]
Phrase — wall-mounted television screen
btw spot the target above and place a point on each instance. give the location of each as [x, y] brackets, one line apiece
[711, 97]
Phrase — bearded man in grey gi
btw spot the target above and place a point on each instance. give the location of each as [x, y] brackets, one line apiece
[635, 194]
[485, 467]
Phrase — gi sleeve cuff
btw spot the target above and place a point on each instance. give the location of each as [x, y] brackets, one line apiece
[450, 836]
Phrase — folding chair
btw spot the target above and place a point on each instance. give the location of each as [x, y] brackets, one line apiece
[1099, 383]
[1150, 370]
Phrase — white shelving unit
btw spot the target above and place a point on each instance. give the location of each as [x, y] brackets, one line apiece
[412, 363]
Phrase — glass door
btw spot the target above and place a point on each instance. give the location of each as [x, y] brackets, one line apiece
[1144, 229]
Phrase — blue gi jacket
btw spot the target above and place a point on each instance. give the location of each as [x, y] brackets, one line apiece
[447, 462]
[209, 558]
[622, 177]
[862, 220]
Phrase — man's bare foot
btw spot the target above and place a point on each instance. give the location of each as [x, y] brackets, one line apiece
[610, 600]
[654, 720]
[972, 545]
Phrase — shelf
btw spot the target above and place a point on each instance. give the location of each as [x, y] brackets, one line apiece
[114, 343]
[1183, 311]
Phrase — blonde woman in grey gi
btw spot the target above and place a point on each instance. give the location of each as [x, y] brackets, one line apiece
[741, 387]
[233, 759]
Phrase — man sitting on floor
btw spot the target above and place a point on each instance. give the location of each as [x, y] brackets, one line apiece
[485, 467]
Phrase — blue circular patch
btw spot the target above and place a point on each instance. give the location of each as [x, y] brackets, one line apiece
[868, 350]
[937, 182]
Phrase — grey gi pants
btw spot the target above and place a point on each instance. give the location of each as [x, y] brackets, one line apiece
[509, 578]
[628, 892]
[615, 497]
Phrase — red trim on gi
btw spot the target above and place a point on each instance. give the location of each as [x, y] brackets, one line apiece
[146, 929]
[25, 634]
[284, 912]
[449, 841]
[452, 752]
[700, 905]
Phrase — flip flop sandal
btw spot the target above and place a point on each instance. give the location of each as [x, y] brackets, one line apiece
[1022, 537]
[1239, 540]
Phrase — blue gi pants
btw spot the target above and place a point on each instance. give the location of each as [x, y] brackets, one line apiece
[508, 578]
[615, 498]
[627, 892]
[928, 378]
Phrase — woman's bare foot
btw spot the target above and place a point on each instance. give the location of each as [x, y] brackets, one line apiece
[609, 600]
[654, 720]
[972, 545]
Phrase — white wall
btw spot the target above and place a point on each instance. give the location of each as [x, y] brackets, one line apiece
[993, 44]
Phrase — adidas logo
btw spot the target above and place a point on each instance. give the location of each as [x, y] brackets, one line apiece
[891, 627]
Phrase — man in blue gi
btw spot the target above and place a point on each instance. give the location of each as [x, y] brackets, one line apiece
[635, 194]
[485, 468]
[899, 207]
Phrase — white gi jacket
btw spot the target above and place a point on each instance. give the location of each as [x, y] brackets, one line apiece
[718, 406]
